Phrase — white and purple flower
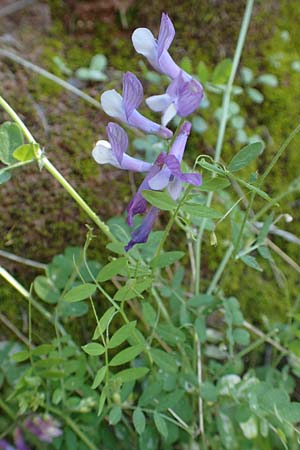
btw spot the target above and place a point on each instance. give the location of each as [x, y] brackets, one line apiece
[114, 151]
[165, 173]
[124, 107]
[182, 97]
[156, 50]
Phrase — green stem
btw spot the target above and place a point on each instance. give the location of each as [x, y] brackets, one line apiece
[7, 410]
[50, 76]
[57, 175]
[73, 426]
[274, 160]
[220, 270]
[223, 123]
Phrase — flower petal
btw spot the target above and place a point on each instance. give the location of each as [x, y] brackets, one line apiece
[174, 166]
[158, 102]
[167, 65]
[166, 34]
[179, 144]
[134, 164]
[103, 154]
[112, 104]
[141, 122]
[141, 234]
[144, 43]
[169, 114]
[160, 180]
[118, 140]
[132, 93]
[189, 98]
[174, 188]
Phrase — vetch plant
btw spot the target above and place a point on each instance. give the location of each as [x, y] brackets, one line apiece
[150, 349]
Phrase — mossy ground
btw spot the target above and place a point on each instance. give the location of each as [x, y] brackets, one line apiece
[39, 220]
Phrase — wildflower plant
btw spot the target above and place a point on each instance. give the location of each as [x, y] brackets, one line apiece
[166, 363]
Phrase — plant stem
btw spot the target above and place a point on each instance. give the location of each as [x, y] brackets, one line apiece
[50, 76]
[21, 260]
[222, 127]
[44, 161]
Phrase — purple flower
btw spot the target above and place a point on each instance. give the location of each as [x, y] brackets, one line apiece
[114, 151]
[182, 97]
[164, 173]
[45, 429]
[156, 50]
[140, 235]
[19, 440]
[125, 107]
[4, 445]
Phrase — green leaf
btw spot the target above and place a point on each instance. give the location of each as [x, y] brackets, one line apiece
[111, 269]
[103, 322]
[255, 95]
[42, 349]
[214, 184]
[247, 75]
[126, 355]
[139, 420]
[170, 334]
[197, 210]
[251, 262]
[165, 259]
[201, 300]
[199, 124]
[164, 360]
[98, 62]
[87, 74]
[222, 72]
[245, 156]
[93, 349]
[160, 424]
[226, 430]
[26, 152]
[265, 229]
[20, 356]
[4, 176]
[202, 72]
[200, 328]
[291, 412]
[268, 79]
[241, 337]
[149, 314]
[11, 138]
[115, 415]
[208, 391]
[99, 377]
[186, 64]
[132, 289]
[131, 374]
[102, 400]
[79, 293]
[161, 200]
[122, 334]
[46, 289]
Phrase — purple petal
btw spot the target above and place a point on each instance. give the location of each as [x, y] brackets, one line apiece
[118, 140]
[174, 188]
[134, 164]
[179, 144]
[189, 98]
[160, 180]
[140, 235]
[174, 166]
[19, 440]
[132, 93]
[166, 34]
[137, 120]
[4, 445]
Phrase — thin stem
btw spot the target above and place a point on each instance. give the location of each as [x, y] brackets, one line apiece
[44, 162]
[50, 76]
[14, 329]
[216, 278]
[21, 260]
[223, 123]
[74, 427]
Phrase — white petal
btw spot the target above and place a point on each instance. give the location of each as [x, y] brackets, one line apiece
[112, 104]
[168, 115]
[102, 154]
[160, 180]
[144, 43]
[174, 188]
[159, 102]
